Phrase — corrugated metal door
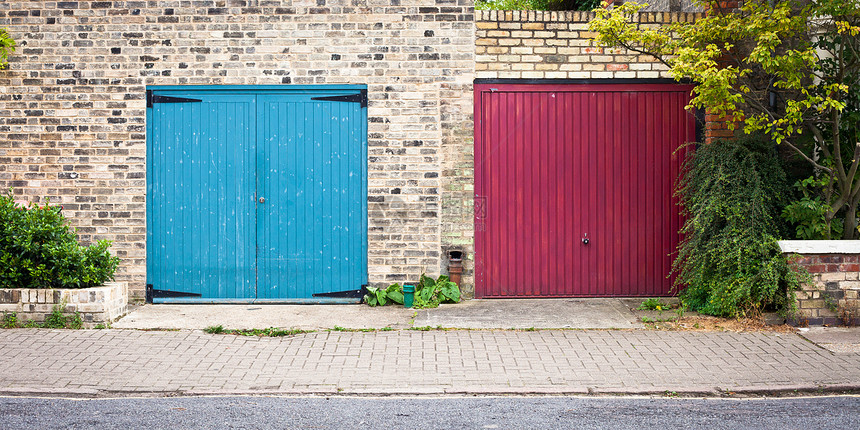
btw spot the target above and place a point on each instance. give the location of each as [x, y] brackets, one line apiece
[574, 188]
[256, 194]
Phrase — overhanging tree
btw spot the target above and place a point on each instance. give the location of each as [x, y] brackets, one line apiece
[786, 68]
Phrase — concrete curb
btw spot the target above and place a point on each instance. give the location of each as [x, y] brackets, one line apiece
[698, 392]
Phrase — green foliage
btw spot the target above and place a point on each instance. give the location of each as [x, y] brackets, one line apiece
[37, 250]
[58, 319]
[786, 68]
[653, 305]
[536, 4]
[259, 332]
[729, 260]
[384, 296]
[10, 320]
[429, 293]
[7, 46]
[809, 213]
[214, 329]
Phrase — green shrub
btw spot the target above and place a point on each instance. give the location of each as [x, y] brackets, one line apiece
[37, 250]
[729, 263]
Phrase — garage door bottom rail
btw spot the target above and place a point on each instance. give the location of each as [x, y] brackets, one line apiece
[158, 296]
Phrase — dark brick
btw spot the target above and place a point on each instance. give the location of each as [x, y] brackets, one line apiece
[67, 5]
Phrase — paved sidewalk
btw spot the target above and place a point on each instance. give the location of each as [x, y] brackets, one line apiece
[129, 362]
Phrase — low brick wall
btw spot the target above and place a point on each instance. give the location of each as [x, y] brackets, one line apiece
[833, 295]
[97, 305]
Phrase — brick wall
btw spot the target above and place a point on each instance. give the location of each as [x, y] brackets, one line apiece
[72, 106]
[832, 295]
[557, 45]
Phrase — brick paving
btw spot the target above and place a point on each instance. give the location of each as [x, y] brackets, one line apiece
[121, 362]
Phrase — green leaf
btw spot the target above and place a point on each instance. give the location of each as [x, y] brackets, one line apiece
[450, 292]
[396, 297]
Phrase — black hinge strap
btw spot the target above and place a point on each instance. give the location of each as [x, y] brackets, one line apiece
[152, 99]
[361, 98]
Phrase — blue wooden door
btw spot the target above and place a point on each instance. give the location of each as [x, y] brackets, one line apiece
[255, 193]
[310, 228]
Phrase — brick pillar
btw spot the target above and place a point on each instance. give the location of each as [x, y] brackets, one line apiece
[717, 127]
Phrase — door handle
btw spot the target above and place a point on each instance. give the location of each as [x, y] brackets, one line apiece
[262, 200]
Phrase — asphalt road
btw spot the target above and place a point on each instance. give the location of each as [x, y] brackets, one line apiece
[430, 413]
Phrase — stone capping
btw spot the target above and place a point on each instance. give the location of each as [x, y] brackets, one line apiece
[97, 305]
[820, 246]
[574, 16]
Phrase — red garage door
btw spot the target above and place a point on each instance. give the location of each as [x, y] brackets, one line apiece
[574, 188]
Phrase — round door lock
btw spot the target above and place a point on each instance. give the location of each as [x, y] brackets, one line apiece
[262, 200]
[585, 241]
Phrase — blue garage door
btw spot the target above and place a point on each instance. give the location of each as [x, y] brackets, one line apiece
[256, 194]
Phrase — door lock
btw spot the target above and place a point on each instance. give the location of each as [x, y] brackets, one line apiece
[262, 200]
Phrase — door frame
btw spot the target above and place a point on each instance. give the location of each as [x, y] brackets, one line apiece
[268, 90]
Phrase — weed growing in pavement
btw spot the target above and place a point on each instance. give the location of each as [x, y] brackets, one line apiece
[269, 332]
[58, 319]
[10, 320]
[653, 305]
[428, 328]
[214, 329]
[360, 330]
[259, 332]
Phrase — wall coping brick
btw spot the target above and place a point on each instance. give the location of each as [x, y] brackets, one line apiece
[820, 246]
[578, 17]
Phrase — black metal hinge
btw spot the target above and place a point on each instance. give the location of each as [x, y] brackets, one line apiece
[348, 294]
[361, 98]
[152, 99]
[152, 293]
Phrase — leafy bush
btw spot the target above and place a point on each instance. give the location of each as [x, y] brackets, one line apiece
[429, 293]
[729, 263]
[384, 296]
[37, 250]
[809, 213]
[536, 4]
[7, 46]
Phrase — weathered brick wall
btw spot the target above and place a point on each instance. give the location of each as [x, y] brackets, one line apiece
[72, 106]
[558, 45]
[832, 295]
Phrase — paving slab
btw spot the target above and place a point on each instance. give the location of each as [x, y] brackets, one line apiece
[105, 363]
[305, 317]
[599, 313]
[842, 340]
